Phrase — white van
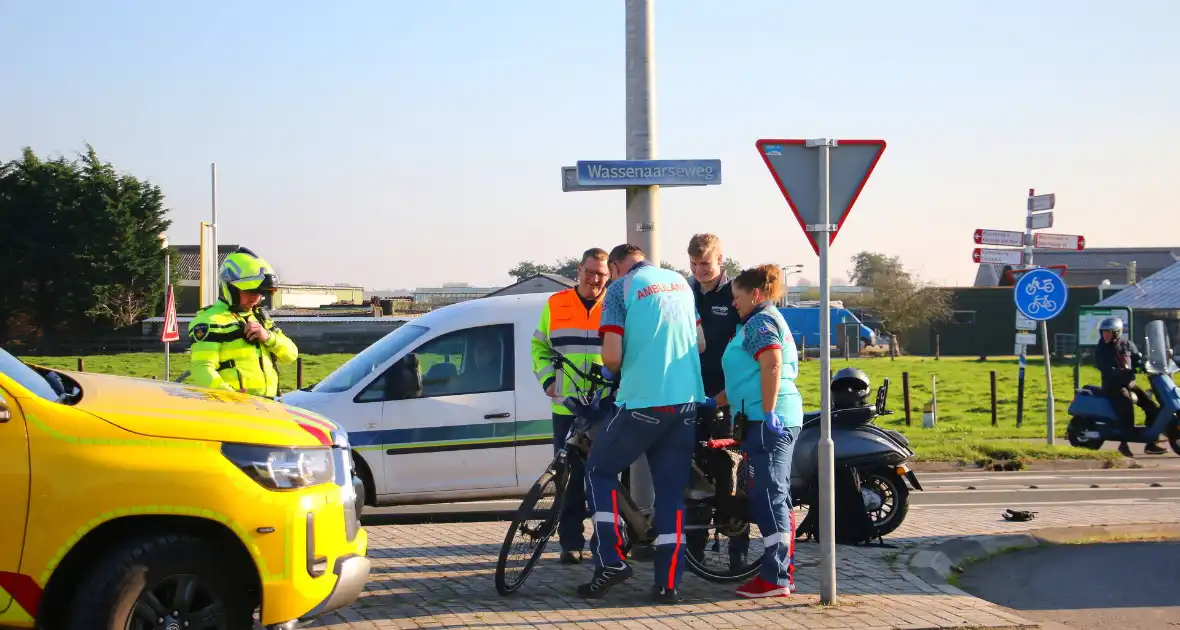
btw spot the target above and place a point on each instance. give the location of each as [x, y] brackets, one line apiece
[482, 428]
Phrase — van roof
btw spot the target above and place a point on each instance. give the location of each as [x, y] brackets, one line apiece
[486, 310]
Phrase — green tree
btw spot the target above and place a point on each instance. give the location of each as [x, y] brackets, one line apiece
[903, 304]
[870, 267]
[566, 268]
[87, 253]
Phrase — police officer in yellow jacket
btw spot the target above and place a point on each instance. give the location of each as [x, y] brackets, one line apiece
[235, 345]
[569, 326]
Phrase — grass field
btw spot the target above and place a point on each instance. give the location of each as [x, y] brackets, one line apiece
[963, 432]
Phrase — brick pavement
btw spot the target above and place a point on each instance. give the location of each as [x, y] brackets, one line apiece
[441, 576]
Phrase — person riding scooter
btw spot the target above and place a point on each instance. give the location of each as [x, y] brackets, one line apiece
[1116, 358]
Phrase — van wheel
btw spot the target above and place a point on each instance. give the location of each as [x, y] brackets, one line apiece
[164, 581]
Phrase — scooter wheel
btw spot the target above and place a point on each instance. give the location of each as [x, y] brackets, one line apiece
[1173, 435]
[1074, 432]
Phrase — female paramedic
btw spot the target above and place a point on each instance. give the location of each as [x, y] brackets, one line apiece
[760, 366]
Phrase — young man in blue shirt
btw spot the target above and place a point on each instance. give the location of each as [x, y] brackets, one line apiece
[651, 338]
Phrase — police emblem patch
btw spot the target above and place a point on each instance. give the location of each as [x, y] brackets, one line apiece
[200, 331]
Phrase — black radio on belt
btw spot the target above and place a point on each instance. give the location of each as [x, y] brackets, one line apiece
[740, 419]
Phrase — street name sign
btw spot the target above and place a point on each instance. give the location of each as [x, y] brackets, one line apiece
[997, 256]
[999, 237]
[1040, 294]
[795, 167]
[615, 173]
[1040, 203]
[1059, 241]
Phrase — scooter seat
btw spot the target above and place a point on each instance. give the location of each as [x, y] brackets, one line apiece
[849, 417]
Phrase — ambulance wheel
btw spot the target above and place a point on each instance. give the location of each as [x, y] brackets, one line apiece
[163, 581]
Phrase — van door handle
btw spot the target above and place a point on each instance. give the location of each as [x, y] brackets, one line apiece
[497, 415]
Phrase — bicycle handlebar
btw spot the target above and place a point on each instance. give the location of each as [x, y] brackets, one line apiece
[560, 363]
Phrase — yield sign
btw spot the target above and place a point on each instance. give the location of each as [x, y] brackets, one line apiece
[171, 330]
[795, 168]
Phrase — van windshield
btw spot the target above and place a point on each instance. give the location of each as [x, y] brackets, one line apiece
[370, 359]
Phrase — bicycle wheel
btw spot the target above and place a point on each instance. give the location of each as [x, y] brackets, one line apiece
[535, 526]
[733, 548]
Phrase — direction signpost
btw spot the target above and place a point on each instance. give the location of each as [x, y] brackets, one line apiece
[821, 180]
[1039, 216]
[1041, 295]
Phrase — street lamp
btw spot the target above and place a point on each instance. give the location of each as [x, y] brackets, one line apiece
[1102, 287]
[787, 271]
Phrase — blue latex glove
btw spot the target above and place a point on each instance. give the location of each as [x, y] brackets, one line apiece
[774, 422]
[607, 374]
[709, 403]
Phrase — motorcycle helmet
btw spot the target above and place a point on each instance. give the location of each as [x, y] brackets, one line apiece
[850, 388]
[1113, 324]
[243, 270]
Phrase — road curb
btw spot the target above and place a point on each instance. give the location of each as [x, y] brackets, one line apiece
[1046, 465]
[935, 563]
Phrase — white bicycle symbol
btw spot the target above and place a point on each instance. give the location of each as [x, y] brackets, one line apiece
[1038, 286]
[1040, 302]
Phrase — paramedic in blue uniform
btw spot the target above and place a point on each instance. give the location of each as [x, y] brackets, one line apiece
[761, 365]
[651, 338]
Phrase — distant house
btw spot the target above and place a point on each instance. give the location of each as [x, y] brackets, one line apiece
[537, 283]
[1089, 267]
[427, 298]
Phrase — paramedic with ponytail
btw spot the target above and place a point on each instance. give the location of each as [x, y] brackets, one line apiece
[760, 365]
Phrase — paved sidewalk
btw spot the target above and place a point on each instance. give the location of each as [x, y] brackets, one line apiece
[441, 576]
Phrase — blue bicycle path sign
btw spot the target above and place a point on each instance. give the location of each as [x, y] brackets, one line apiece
[1040, 294]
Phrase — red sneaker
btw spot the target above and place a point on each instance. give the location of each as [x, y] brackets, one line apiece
[759, 587]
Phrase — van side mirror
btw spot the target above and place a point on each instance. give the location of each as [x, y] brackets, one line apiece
[5, 414]
[406, 378]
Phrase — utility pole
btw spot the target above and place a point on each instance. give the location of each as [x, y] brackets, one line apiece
[642, 201]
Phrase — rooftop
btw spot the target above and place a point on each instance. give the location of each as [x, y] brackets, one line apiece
[1160, 291]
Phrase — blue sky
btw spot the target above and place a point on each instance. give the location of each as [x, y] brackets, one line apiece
[401, 144]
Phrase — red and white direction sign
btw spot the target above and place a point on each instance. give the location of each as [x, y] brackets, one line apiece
[1059, 241]
[795, 168]
[997, 256]
[171, 330]
[999, 237]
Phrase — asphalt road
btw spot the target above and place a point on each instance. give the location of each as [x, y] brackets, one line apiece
[1091, 587]
[1017, 490]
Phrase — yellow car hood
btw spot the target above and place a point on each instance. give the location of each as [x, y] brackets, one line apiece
[171, 410]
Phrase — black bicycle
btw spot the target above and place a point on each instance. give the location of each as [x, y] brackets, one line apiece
[715, 500]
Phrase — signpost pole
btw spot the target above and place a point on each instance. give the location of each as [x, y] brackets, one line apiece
[821, 193]
[167, 286]
[1049, 411]
[1027, 262]
[827, 485]
[642, 201]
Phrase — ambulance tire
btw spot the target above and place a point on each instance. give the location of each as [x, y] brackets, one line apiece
[110, 592]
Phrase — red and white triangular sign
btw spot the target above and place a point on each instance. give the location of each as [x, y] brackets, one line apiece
[171, 330]
[794, 164]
